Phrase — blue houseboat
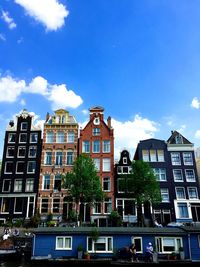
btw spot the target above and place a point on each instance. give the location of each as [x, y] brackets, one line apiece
[106, 242]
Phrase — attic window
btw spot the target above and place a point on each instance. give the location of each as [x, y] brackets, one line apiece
[179, 139]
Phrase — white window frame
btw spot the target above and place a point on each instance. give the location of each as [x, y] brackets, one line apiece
[181, 175]
[107, 180]
[195, 189]
[96, 146]
[70, 137]
[159, 173]
[49, 181]
[46, 156]
[17, 166]
[183, 192]
[186, 176]
[33, 141]
[10, 148]
[187, 158]
[35, 149]
[21, 148]
[49, 137]
[175, 158]
[22, 124]
[164, 193]
[106, 146]
[97, 163]
[133, 239]
[34, 169]
[160, 155]
[60, 137]
[106, 165]
[86, 146]
[118, 180]
[18, 185]
[9, 180]
[29, 185]
[145, 155]
[20, 135]
[10, 138]
[17, 212]
[107, 238]
[6, 167]
[178, 242]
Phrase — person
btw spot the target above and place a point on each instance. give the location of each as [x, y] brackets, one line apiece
[157, 224]
[149, 252]
[133, 252]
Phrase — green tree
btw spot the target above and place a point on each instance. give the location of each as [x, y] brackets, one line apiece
[144, 186]
[83, 182]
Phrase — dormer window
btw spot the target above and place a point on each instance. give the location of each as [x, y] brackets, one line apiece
[179, 139]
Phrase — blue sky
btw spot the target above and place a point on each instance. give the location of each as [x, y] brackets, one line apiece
[139, 59]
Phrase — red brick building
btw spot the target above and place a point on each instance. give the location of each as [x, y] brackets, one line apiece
[97, 140]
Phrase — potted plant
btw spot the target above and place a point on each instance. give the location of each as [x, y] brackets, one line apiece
[182, 254]
[173, 256]
[80, 251]
[86, 255]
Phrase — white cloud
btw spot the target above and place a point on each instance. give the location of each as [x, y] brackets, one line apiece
[129, 133]
[61, 97]
[197, 134]
[22, 102]
[85, 112]
[48, 12]
[2, 37]
[58, 95]
[182, 128]
[11, 24]
[195, 103]
[10, 89]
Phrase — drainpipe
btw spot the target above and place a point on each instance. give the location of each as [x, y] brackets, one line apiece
[189, 247]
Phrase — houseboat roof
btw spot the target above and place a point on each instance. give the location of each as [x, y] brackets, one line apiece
[112, 230]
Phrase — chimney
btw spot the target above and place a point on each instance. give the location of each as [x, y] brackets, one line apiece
[109, 122]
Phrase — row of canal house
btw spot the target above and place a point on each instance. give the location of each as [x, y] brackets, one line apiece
[32, 167]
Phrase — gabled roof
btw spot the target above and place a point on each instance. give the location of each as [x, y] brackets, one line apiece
[173, 138]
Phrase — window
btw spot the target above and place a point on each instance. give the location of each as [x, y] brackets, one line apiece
[106, 165]
[63, 243]
[160, 174]
[97, 207]
[18, 185]
[70, 157]
[178, 176]
[59, 156]
[164, 194]
[70, 137]
[180, 193]
[192, 193]
[60, 137]
[11, 137]
[21, 151]
[23, 138]
[96, 146]
[190, 177]
[24, 126]
[102, 244]
[96, 131]
[33, 138]
[44, 205]
[145, 155]
[153, 155]
[106, 183]
[18, 205]
[121, 185]
[86, 147]
[97, 163]
[175, 158]
[187, 158]
[178, 139]
[168, 244]
[129, 185]
[138, 243]
[57, 182]
[160, 154]
[56, 204]
[46, 182]
[5, 205]
[20, 167]
[31, 166]
[48, 158]
[6, 185]
[49, 137]
[10, 152]
[119, 169]
[106, 146]
[182, 210]
[29, 185]
[124, 160]
[32, 151]
[8, 167]
[107, 205]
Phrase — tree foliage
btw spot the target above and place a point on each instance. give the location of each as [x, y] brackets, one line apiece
[144, 185]
[83, 182]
